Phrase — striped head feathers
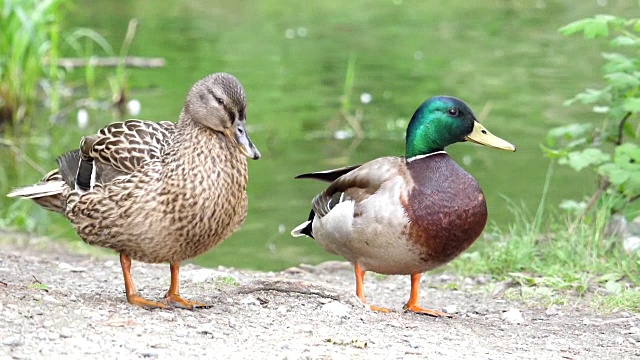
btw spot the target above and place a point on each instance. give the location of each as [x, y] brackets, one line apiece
[218, 102]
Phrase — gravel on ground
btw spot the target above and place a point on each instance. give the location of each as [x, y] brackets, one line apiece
[56, 302]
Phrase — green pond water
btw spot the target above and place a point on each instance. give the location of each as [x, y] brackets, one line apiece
[504, 58]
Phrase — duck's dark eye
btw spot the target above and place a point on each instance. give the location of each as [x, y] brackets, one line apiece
[216, 97]
[453, 112]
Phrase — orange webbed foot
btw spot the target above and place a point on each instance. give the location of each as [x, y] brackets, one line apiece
[418, 310]
[176, 301]
[138, 300]
[378, 308]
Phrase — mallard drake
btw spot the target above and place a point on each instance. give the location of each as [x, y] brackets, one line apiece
[158, 192]
[405, 215]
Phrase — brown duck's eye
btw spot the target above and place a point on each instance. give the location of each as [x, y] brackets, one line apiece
[219, 100]
[453, 112]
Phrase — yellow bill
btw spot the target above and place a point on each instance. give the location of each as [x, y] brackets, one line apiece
[480, 135]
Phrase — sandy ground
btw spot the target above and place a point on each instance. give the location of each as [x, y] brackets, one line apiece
[57, 303]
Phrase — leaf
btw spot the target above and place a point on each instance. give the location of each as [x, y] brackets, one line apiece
[609, 277]
[553, 153]
[631, 104]
[572, 206]
[600, 109]
[622, 40]
[618, 62]
[595, 27]
[630, 130]
[590, 96]
[614, 173]
[590, 157]
[622, 80]
[567, 137]
[571, 131]
[613, 287]
[574, 27]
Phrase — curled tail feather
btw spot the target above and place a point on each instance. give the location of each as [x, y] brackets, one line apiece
[48, 193]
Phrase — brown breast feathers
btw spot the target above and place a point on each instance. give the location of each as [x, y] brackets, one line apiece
[446, 207]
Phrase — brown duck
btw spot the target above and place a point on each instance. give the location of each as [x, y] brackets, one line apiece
[405, 215]
[158, 192]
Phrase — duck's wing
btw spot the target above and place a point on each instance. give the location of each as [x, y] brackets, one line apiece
[124, 146]
[116, 150]
[354, 183]
[360, 183]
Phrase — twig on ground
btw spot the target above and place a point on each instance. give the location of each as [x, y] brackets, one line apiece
[294, 286]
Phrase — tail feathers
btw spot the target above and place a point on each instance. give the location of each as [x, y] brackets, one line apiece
[306, 228]
[39, 190]
[68, 164]
[302, 229]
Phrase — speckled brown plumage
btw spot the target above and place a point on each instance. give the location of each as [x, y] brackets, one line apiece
[160, 192]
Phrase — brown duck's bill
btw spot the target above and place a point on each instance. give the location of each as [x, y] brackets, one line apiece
[250, 150]
[480, 135]
[244, 143]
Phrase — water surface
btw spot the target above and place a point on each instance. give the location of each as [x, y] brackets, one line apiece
[504, 58]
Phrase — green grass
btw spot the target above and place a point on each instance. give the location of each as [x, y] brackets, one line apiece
[31, 43]
[626, 299]
[28, 34]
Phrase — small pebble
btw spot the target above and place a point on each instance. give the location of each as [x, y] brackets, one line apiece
[631, 244]
[54, 336]
[50, 299]
[451, 309]
[181, 333]
[207, 329]
[513, 316]
[71, 268]
[66, 333]
[149, 354]
[205, 275]
[336, 309]
[11, 341]
[552, 310]
[138, 330]
[249, 300]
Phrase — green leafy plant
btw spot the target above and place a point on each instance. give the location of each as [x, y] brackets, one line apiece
[28, 33]
[609, 149]
[31, 44]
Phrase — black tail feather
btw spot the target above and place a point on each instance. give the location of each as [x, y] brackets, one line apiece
[308, 230]
[329, 175]
[68, 165]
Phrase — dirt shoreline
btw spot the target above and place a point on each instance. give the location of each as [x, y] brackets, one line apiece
[58, 301]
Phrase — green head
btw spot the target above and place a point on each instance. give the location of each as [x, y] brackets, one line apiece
[443, 120]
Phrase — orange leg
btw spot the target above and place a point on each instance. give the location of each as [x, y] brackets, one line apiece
[412, 304]
[360, 290]
[132, 294]
[173, 298]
